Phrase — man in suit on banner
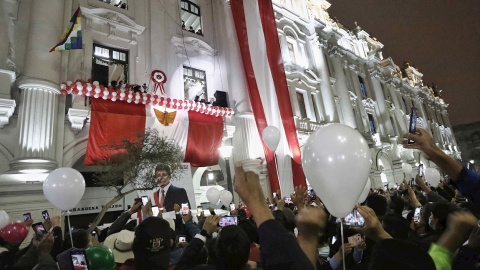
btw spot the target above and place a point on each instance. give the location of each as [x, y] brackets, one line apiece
[168, 194]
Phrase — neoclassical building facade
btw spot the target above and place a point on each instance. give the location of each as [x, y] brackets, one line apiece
[334, 75]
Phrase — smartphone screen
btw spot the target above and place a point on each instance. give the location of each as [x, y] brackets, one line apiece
[288, 200]
[413, 122]
[416, 214]
[420, 170]
[45, 214]
[79, 260]
[232, 207]
[274, 195]
[228, 220]
[185, 209]
[334, 239]
[311, 194]
[385, 187]
[468, 165]
[182, 239]
[155, 210]
[27, 216]
[199, 210]
[354, 219]
[39, 230]
[144, 200]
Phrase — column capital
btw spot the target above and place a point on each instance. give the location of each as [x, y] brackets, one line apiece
[39, 84]
[77, 118]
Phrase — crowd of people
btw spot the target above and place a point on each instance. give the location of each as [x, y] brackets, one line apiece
[413, 227]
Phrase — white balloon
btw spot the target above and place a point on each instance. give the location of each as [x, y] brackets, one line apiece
[226, 197]
[213, 195]
[336, 161]
[407, 168]
[64, 187]
[271, 137]
[432, 176]
[365, 192]
[4, 219]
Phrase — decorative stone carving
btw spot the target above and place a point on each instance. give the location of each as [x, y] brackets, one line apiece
[336, 51]
[368, 103]
[118, 20]
[192, 44]
[353, 98]
[77, 118]
[7, 107]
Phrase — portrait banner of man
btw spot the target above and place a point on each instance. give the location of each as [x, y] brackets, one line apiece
[172, 187]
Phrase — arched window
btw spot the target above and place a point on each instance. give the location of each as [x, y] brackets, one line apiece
[191, 17]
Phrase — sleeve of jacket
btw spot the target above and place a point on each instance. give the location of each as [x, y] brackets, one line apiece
[190, 255]
[192, 228]
[179, 226]
[468, 183]
[57, 243]
[433, 196]
[28, 260]
[46, 262]
[280, 249]
[118, 224]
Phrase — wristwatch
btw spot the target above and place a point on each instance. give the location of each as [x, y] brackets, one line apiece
[205, 234]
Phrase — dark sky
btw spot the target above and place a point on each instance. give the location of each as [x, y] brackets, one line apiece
[439, 38]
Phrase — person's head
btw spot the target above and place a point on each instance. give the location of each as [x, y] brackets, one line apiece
[232, 248]
[396, 205]
[163, 174]
[378, 203]
[438, 218]
[396, 226]
[151, 245]
[81, 239]
[250, 229]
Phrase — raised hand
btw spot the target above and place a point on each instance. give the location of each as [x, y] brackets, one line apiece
[373, 228]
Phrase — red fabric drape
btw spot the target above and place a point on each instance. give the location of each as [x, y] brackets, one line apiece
[238, 12]
[110, 121]
[204, 138]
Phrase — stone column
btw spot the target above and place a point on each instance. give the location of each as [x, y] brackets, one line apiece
[341, 86]
[383, 116]
[39, 97]
[321, 68]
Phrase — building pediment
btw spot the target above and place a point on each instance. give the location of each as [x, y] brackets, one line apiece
[111, 17]
[192, 44]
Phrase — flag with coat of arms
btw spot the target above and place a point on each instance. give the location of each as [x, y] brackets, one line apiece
[72, 37]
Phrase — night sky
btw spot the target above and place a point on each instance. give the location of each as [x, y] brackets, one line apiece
[439, 38]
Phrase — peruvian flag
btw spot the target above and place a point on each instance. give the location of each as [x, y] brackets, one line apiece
[200, 135]
[267, 88]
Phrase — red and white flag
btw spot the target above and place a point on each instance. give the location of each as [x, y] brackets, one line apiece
[267, 87]
[199, 135]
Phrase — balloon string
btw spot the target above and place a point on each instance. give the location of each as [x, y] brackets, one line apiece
[67, 213]
[343, 246]
[276, 167]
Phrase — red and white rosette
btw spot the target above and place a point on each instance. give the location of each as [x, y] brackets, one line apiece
[159, 78]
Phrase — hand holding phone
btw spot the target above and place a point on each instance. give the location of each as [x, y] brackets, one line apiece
[182, 239]
[39, 230]
[144, 200]
[416, 214]
[355, 240]
[79, 259]
[185, 209]
[45, 214]
[27, 216]
[227, 221]
[155, 210]
[413, 123]
[354, 219]
[420, 170]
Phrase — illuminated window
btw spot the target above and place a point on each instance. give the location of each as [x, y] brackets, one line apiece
[191, 18]
[109, 65]
[195, 84]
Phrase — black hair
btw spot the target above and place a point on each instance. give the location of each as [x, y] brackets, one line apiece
[440, 211]
[250, 229]
[232, 248]
[163, 167]
[396, 204]
[81, 239]
[378, 203]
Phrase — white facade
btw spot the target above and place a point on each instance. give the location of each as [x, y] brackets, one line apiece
[334, 75]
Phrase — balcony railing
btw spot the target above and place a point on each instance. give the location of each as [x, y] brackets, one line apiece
[306, 125]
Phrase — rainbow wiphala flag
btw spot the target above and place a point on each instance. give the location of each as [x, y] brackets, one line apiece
[72, 38]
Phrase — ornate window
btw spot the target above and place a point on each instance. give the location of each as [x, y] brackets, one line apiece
[362, 86]
[118, 3]
[195, 84]
[301, 105]
[372, 123]
[191, 17]
[109, 65]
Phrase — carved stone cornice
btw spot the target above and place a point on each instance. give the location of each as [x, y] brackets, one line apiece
[7, 107]
[335, 51]
[322, 42]
[369, 103]
[192, 44]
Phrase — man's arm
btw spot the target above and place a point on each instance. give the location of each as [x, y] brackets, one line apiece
[119, 224]
[279, 249]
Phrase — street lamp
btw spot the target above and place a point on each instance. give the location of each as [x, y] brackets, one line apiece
[225, 153]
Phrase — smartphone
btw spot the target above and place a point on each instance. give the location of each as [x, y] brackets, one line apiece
[311, 194]
[185, 209]
[227, 221]
[412, 183]
[137, 200]
[468, 165]
[155, 210]
[385, 187]
[288, 200]
[27, 216]
[232, 206]
[79, 259]
[199, 210]
[354, 219]
[274, 195]
[334, 239]
[420, 170]
[39, 230]
[416, 214]
[144, 200]
[355, 240]
[413, 123]
[45, 214]
[182, 239]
